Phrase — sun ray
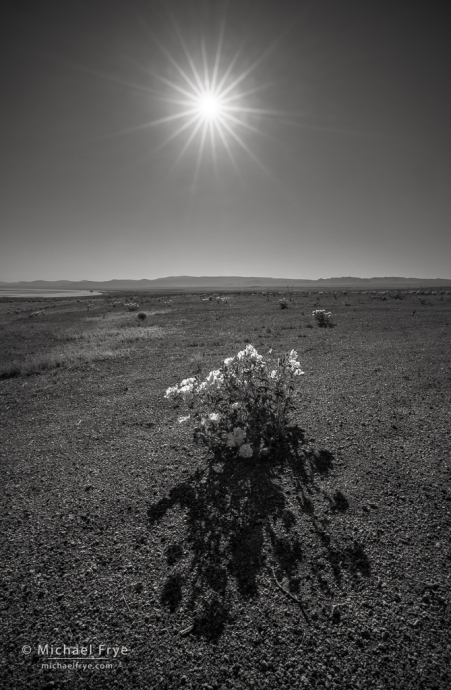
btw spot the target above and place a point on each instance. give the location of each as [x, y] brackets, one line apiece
[215, 99]
[188, 141]
[187, 54]
[228, 149]
[218, 56]
[199, 155]
[207, 87]
[244, 94]
[228, 71]
[244, 146]
[173, 85]
[179, 69]
[244, 124]
[213, 148]
[177, 132]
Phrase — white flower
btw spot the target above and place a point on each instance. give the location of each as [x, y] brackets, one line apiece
[184, 419]
[245, 451]
[186, 392]
[188, 382]
[214, 416]
[250, 353]
[235, 405]
[214, 379]
[295, 365]
[236, 437]
[273, 374]
[171, 392]
[228, 361]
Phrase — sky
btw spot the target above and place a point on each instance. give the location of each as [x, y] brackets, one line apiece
[298, 139]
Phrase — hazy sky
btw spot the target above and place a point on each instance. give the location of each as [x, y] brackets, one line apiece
[328, 155]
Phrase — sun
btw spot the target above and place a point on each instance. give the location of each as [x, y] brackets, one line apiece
[210, 102]
[210, 107]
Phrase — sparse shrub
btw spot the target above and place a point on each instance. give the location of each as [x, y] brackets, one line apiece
[131, 306]
[283, 303]
[243, 409]
[322, 317]
[142, 316]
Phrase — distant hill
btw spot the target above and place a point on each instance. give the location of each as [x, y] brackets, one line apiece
[232, 283]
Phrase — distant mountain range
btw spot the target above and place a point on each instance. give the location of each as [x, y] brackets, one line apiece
[229, 283]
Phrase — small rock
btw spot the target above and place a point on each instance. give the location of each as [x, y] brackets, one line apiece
[336, 614]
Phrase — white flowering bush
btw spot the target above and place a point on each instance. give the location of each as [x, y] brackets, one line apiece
[131, 306]
[283, 303]
[322, 317]
[244, 408]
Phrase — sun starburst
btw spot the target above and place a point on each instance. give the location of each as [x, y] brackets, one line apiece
[209, 102]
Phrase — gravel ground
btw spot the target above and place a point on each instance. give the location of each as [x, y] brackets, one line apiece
[329, 569]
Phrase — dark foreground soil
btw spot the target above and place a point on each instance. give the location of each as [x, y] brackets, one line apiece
[327, 569]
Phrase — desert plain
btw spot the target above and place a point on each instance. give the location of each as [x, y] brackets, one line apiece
[330, 569]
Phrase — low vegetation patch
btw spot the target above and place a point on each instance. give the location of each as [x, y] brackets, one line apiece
[322, 317]
[110, 337]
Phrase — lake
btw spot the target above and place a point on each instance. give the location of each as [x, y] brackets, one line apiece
[27, 292]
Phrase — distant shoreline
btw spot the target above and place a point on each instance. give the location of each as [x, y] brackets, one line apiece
[46, 293]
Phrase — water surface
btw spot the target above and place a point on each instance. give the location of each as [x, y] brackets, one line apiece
[29, 292]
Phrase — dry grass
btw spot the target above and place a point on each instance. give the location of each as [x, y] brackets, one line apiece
[113, 337]
[94, 339]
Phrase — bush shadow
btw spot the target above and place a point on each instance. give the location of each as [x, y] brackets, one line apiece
[244, 517]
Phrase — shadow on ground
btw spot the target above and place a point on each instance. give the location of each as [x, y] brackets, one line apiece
[247, 517]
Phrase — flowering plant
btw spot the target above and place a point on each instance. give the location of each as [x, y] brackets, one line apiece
[244, 407]
[131, 306]
[322, 317]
